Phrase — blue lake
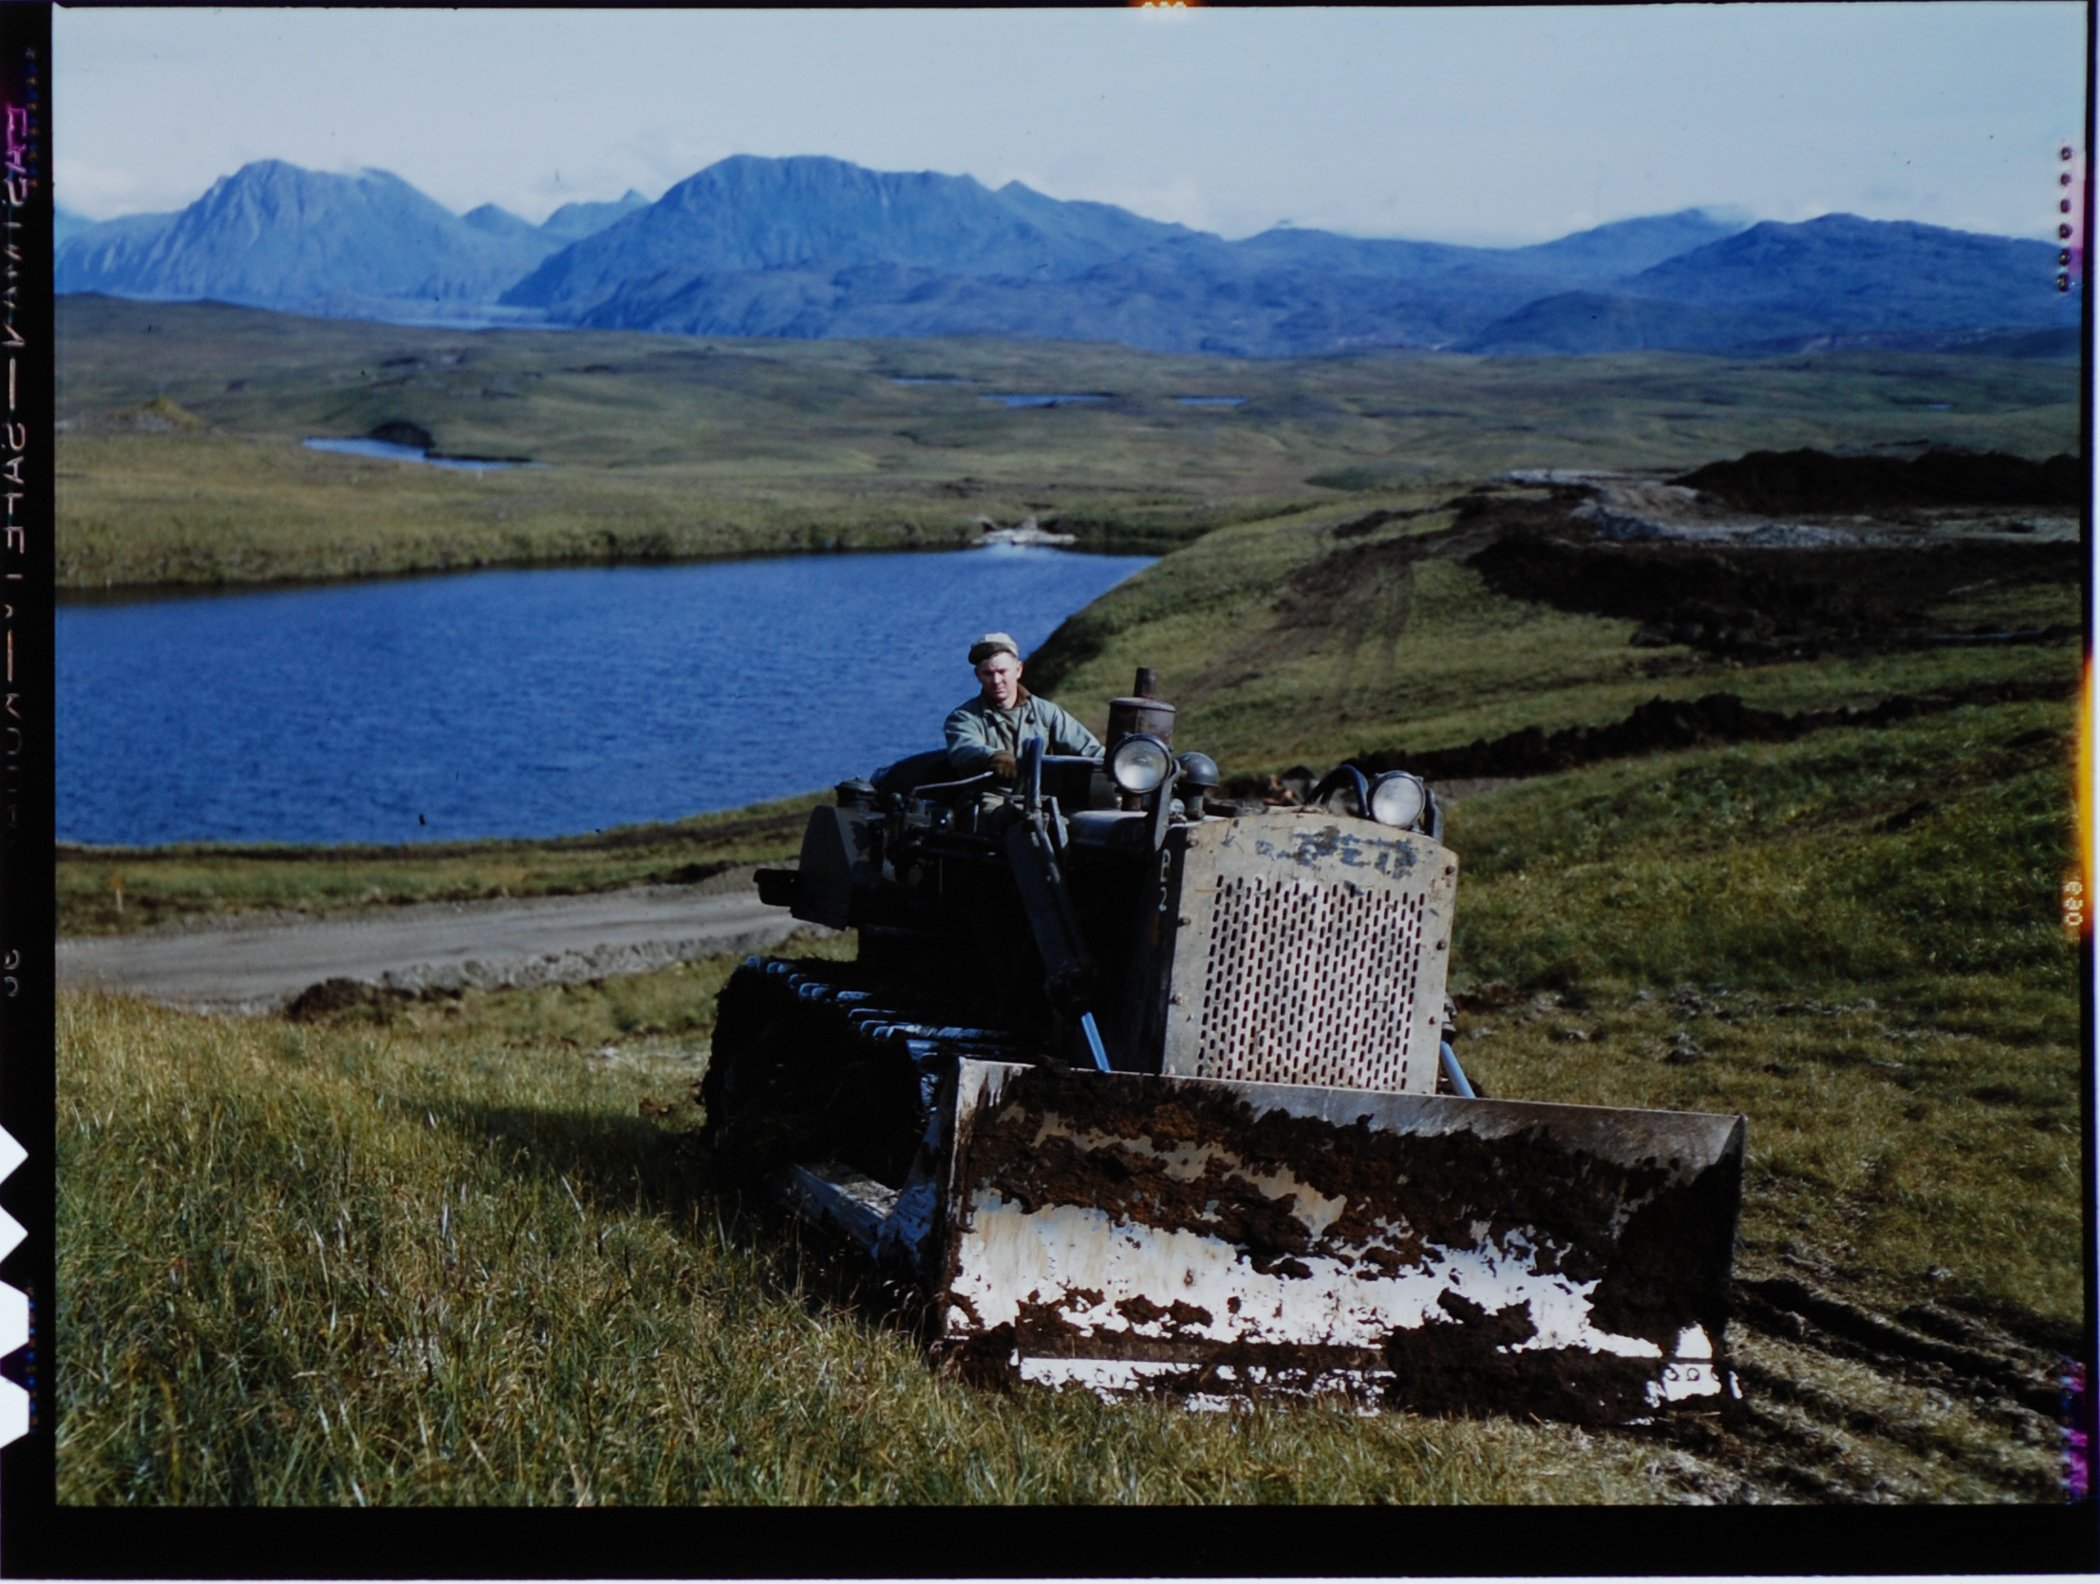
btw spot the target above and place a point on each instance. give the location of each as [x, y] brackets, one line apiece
[388, 451]
[526, 703]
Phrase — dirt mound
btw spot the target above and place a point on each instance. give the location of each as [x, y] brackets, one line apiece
[334, 996]
[402, 432]
[1817, 481]
[1767, 602]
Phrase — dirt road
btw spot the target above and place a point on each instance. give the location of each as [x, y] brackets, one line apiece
[258, 965]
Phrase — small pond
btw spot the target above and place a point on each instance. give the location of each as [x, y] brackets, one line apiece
[388, 451]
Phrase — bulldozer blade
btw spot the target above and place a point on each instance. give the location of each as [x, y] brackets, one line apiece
[1218, 1239]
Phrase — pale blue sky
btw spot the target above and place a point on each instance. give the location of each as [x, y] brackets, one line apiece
[1485, 125]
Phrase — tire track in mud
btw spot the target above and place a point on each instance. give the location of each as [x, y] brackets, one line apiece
[1841, 1403]
[1784, 1305]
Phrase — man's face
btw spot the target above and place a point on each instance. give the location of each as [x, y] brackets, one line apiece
[1000, 677]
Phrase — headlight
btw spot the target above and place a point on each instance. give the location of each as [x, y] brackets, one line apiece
[1198, 770]
[1139, 763]
[1398, 798]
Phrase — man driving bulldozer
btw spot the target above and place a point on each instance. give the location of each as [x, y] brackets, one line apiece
[987, 732]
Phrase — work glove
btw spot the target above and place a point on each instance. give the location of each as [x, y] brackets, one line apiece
[1003, 766]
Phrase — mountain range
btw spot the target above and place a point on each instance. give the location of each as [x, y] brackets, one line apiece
[814, 247]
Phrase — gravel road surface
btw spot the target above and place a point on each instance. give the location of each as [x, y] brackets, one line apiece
[258, 965]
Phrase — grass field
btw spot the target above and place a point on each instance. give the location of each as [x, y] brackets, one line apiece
[107, 890]
[179, 458]
[453, 1251]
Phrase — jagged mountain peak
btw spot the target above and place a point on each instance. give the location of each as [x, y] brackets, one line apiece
[276, 234]
[812, 245]
[276, 175]
[751, 213]
[810, 175]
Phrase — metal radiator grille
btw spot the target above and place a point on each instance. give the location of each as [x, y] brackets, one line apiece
[1310, 984]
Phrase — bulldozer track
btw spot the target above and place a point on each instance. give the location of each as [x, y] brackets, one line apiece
[799, 1031]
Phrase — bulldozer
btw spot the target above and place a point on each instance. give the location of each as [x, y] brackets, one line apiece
[1137, 1089]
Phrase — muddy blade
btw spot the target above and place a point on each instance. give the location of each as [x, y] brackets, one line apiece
[1212, 1238]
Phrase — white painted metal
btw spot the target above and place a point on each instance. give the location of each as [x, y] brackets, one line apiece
[1122, 1285]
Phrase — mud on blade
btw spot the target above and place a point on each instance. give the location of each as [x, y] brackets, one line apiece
[1190, 1236]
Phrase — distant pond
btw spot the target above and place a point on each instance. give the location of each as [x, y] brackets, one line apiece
[391, 451]
[525, 703]
[1052, 398]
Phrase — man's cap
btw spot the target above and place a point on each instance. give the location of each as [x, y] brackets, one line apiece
[991, 644]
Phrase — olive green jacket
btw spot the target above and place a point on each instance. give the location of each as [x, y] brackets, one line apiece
[976, 730]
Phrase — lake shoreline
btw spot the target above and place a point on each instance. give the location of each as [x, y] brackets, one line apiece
[968, 537]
